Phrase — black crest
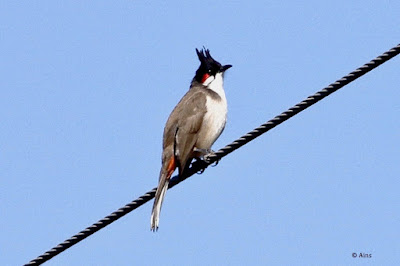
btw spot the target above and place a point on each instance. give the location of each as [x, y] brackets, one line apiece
[206, 58]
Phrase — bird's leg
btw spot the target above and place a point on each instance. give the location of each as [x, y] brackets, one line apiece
[205, 155]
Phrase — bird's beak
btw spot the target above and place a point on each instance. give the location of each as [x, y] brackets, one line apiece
[226, 67]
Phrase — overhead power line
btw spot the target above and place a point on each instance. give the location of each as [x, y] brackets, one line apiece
[201, 165]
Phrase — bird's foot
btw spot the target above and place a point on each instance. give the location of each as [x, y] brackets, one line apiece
[205, 155]
[208, 160]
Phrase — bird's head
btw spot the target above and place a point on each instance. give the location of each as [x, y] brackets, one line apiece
[209, 68]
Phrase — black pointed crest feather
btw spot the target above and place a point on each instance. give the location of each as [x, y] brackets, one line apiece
[205, 57]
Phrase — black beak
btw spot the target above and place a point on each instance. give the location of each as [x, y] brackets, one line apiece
[226, 67]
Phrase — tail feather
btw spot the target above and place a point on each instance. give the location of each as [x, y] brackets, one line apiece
[159, 198]
[166, 171]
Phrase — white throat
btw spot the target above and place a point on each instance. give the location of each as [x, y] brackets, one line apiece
[215, 118]
[216, 83]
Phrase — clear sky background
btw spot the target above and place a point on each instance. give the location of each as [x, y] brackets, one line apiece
[87, 86]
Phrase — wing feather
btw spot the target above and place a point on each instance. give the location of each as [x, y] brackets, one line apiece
[184, 124]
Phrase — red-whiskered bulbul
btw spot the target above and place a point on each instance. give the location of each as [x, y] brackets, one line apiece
[193, 126]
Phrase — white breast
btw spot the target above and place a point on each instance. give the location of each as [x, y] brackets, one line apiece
[215, 118]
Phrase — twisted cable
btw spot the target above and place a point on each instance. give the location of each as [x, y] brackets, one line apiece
[200, 166]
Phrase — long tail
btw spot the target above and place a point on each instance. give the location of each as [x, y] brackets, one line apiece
[165, 176]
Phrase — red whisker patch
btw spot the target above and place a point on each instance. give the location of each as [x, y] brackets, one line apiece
[205, 77]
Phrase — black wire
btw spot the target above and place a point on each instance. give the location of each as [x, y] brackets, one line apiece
[201, 165]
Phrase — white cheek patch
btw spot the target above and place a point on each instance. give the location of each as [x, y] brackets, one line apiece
[208, 80]
[217, 84]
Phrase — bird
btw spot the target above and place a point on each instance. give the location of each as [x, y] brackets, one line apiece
[193, 125]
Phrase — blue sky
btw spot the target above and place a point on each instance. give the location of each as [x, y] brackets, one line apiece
[87, 88]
